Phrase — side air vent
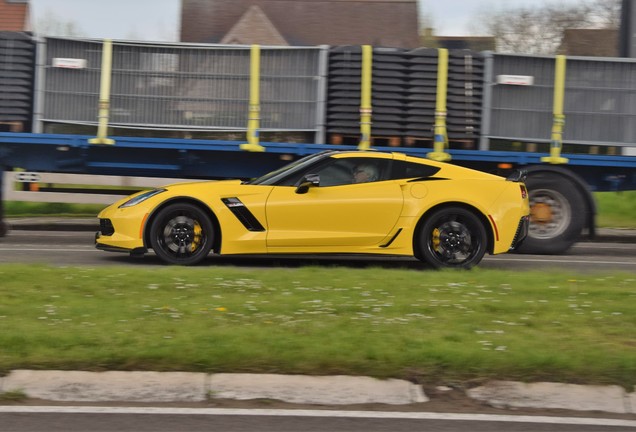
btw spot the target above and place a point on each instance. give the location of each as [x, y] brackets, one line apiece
[243, 214]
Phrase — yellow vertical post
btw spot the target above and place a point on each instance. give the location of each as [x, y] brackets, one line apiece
[365, 98]
[558, 118]
[104, 95]
[253, 122]
[441, 135]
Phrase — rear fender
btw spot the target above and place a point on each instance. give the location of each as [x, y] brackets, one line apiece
[480, 215]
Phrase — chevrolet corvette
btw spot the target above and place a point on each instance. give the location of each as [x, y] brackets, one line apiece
[333, 202]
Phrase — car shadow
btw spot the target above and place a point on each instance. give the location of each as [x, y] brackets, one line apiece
[283, 261]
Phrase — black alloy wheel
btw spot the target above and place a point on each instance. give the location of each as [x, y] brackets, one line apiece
[181, 234]
[452, 237]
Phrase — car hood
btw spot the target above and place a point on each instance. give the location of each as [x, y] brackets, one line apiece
[208, 184]
[207, 189]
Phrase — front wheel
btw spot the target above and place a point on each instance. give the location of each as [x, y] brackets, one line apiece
[452, 237]
[181, 234]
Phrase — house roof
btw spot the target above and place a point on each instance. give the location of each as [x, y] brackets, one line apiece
[475, 43]
[590, 42]
[14, 15]
[392, 23]
[254, 27]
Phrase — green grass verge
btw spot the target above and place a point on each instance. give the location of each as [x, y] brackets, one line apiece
[437, 327]
[13, 396]
[35, 209]
[616, 209]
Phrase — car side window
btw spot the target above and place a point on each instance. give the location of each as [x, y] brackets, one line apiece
[345, 171]
[405, 170]
[336, 173]
[332, 172]
[354, 170]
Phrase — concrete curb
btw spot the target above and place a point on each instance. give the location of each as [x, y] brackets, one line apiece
[326, 390]
[148, 387]
[75, 386]
[509, 394]
[71, 386]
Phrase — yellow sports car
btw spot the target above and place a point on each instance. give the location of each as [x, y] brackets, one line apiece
[334, 202]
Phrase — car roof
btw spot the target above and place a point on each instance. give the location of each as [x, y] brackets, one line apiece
[381, 155]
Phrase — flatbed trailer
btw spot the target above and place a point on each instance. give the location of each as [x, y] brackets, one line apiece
[486, 111]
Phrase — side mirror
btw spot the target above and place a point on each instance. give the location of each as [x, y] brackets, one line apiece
[308, 181]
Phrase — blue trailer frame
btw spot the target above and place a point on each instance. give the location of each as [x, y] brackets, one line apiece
[217, 159]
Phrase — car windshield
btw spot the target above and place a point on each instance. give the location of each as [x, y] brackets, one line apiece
[277, 175]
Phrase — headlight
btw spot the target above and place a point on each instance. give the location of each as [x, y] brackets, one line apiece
[141, 198]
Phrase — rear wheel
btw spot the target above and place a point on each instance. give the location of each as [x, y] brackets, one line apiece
[181, 234]
[452, 237]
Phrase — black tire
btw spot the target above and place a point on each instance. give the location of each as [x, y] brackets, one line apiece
[557, 214]
[181, 234]
[452, 237]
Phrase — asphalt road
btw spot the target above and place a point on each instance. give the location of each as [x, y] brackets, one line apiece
[105, 419]
[76, 248]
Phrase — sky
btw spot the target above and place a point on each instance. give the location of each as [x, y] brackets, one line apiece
[159, 20]
[458, 17]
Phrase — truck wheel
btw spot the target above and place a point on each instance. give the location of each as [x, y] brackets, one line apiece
[557, 214]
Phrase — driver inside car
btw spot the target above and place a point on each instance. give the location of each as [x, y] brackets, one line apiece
[364, 173]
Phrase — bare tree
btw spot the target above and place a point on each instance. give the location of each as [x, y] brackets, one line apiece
[539, 30]
[52, 25]
[426, 25]
[607, 13]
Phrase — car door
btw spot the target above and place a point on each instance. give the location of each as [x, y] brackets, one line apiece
[335, 215]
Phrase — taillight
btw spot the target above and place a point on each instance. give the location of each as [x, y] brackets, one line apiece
[524, 191]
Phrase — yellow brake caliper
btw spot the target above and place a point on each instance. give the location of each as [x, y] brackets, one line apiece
[435, 240]
[196, 241]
